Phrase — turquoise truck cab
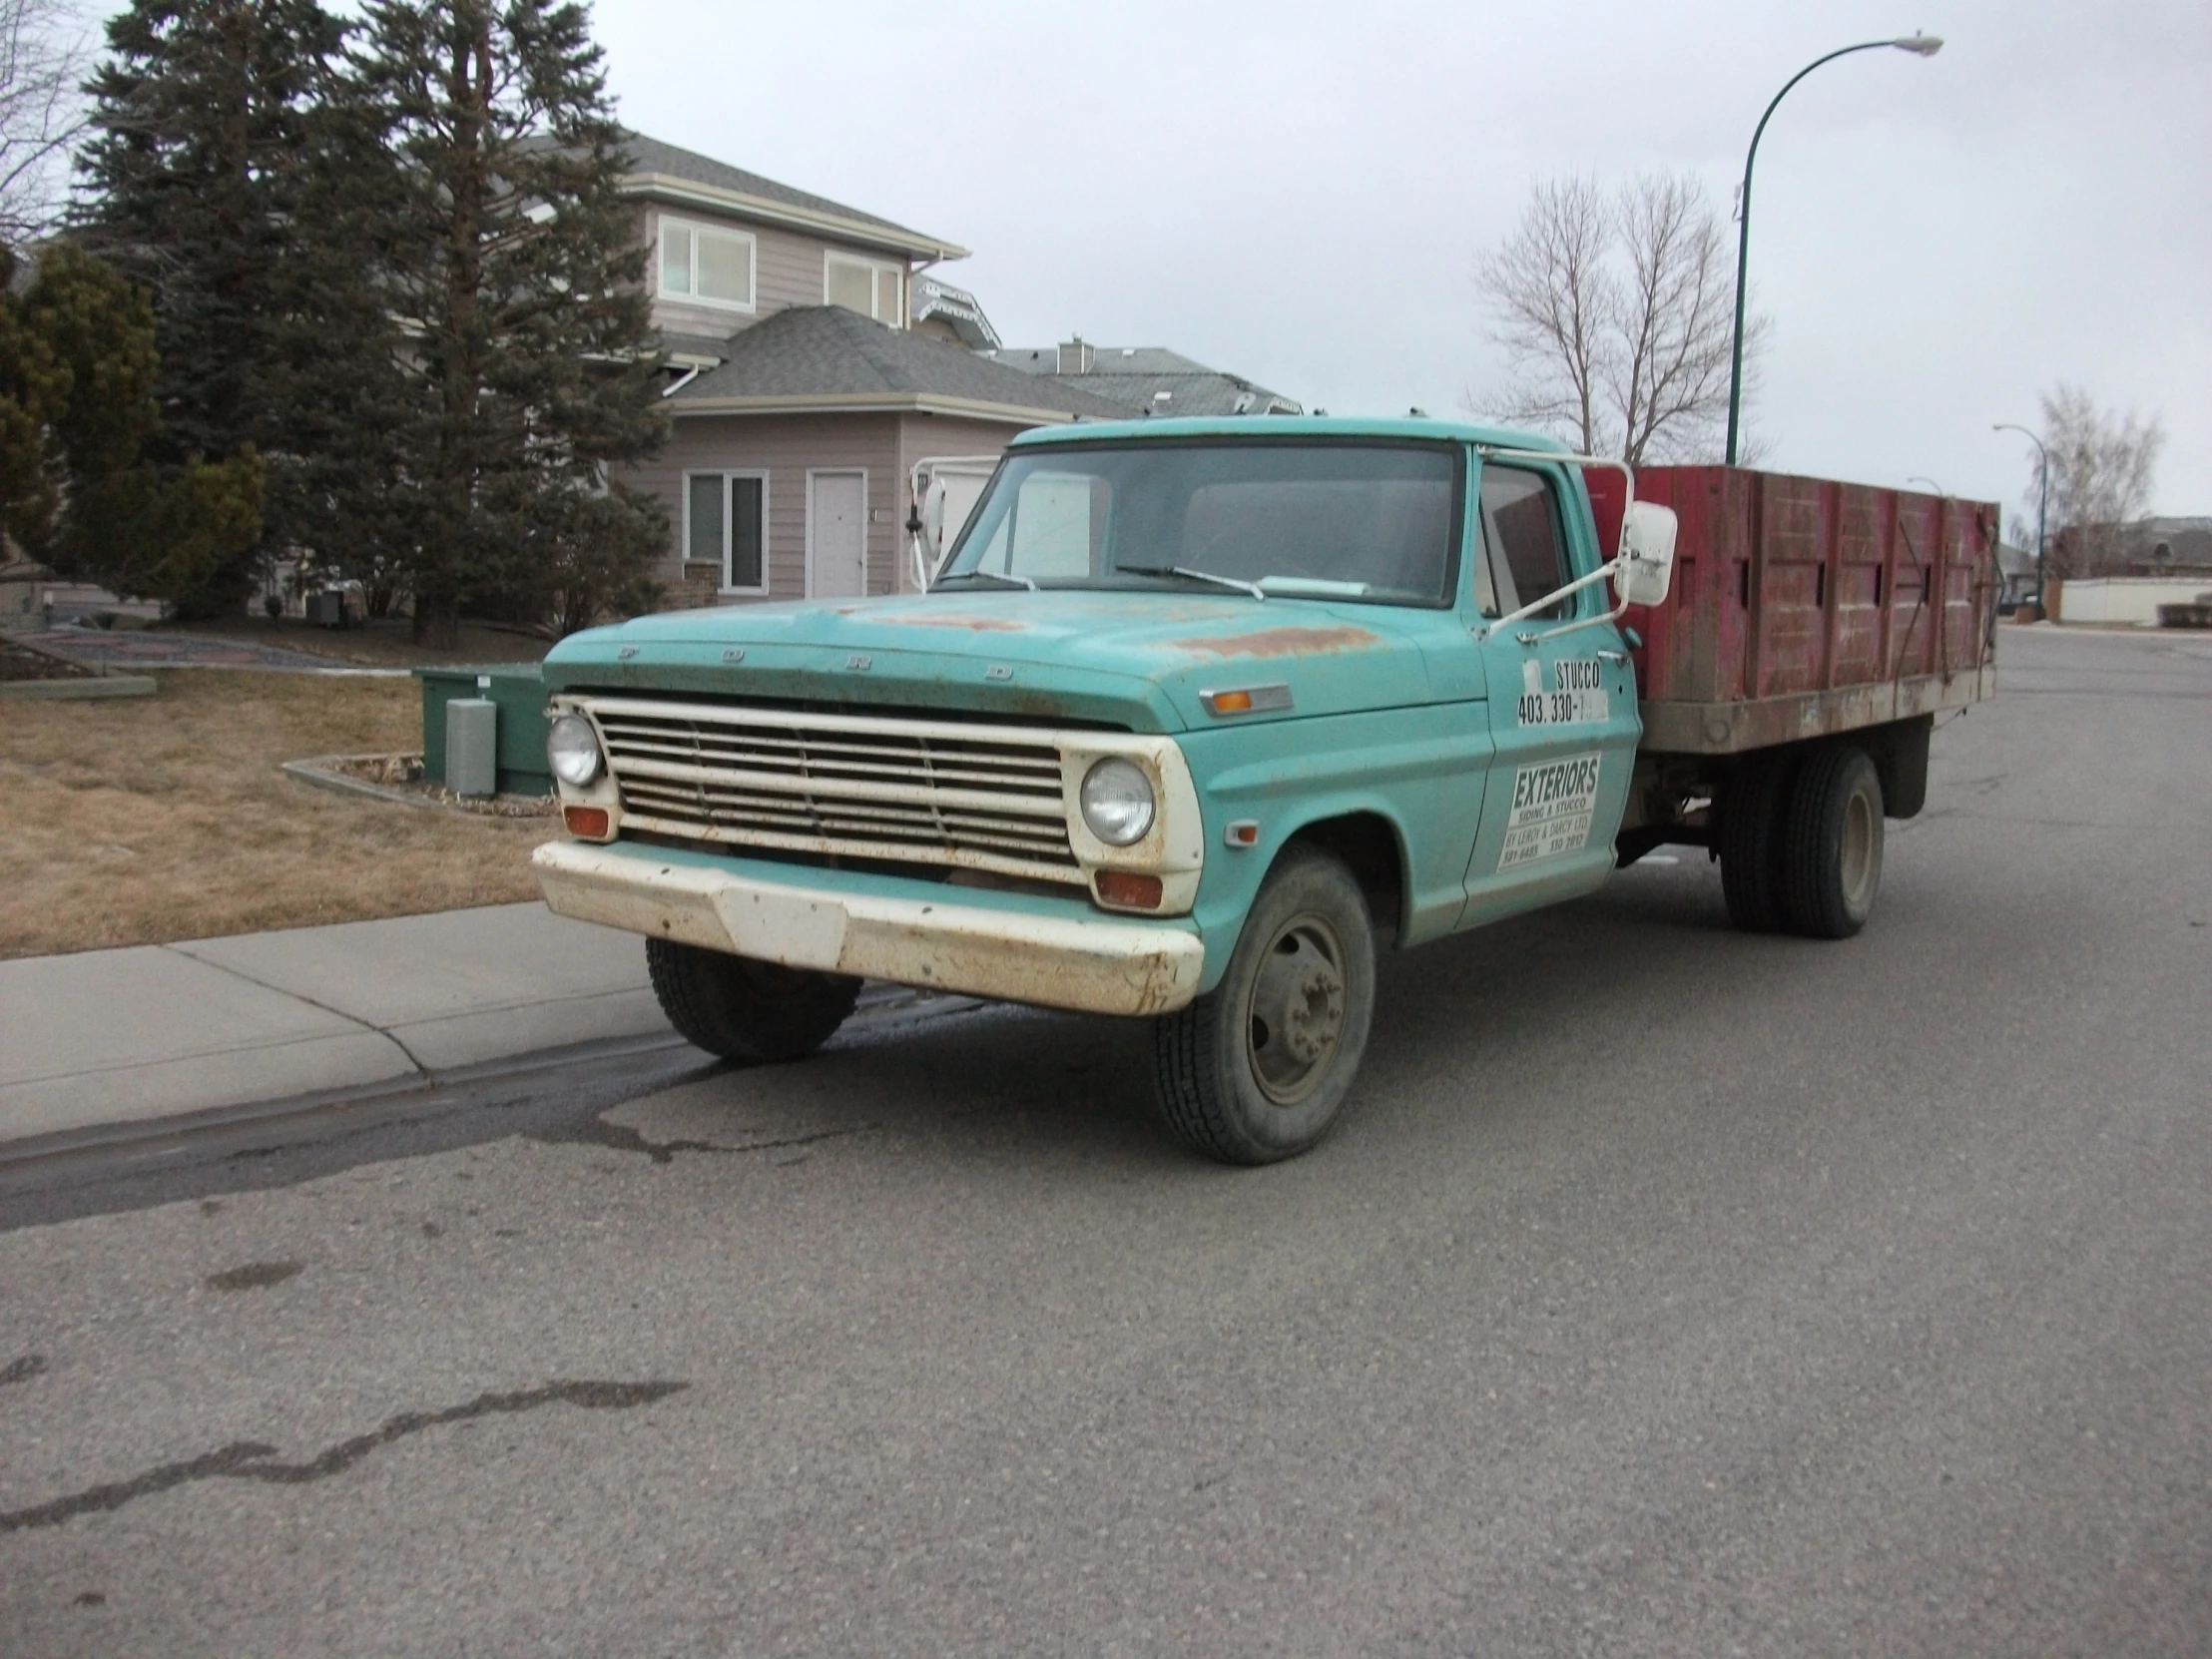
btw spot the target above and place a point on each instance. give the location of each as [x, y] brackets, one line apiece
[1195, 717]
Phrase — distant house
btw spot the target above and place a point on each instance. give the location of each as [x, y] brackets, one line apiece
[2161, 548]
[811, 364]
[1147, 379]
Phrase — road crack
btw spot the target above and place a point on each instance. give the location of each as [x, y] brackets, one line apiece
[622, 1138]
[254, 1461]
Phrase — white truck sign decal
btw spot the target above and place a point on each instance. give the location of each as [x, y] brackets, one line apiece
[1577, 694]
[1554, 804]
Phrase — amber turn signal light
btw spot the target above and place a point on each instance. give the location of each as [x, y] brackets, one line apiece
[1130, 892]
[586, 823]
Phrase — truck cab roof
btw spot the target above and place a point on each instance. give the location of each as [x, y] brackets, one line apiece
[1275, 428]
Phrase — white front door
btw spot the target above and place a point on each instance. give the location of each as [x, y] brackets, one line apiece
[837, 535]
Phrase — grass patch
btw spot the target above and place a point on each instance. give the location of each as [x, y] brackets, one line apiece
[144, 819]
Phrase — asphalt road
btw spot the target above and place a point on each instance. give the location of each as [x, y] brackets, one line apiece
[1668, 1291]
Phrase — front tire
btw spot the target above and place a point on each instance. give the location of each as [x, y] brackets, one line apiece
[1259, 1069]
[742, 1009]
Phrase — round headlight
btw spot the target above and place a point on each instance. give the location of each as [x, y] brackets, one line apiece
[1117, 801]
[572, 750]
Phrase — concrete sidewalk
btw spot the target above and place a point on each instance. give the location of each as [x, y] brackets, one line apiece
[111, 1037]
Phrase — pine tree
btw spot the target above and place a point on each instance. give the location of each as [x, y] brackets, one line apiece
[519, 270]
[78, 417]
[228, 179]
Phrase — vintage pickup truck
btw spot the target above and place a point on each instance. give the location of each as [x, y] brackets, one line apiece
[1196, 717]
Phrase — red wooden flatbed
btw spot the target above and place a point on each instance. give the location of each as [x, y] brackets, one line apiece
[1802, 608]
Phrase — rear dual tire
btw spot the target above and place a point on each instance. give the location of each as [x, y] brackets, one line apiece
[1831, 844]
[1802, 841]
[1752, 813]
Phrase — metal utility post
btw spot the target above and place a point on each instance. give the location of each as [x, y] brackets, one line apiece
[2042, 501]
[1925, 46]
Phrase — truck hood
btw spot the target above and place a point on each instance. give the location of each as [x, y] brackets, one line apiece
[1136, 660]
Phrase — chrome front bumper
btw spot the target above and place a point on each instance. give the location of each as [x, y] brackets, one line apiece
[1095, 966]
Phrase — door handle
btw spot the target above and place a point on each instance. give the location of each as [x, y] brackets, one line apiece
[1617, 658]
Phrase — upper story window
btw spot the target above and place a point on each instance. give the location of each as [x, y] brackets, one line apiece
[868, 287]
[706, 266]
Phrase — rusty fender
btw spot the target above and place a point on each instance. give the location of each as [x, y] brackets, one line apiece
[1099, 968]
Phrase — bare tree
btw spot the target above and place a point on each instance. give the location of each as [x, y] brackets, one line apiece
[2102, 466]
[1553, 297]
[1616, 311]
[41, 63]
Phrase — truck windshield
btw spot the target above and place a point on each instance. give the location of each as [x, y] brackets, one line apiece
[1369, 522]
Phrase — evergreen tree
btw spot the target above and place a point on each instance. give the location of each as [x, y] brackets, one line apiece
[228, 179]
[531, 361]
[76, 421]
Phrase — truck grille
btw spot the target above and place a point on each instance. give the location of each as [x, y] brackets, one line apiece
[920, 790]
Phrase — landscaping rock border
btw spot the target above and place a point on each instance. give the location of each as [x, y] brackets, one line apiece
[399, 779]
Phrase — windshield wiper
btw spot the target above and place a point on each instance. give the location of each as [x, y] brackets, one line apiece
[1253, 588]
[990, 576]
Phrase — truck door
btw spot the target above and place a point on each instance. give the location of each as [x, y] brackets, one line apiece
[1562, 708]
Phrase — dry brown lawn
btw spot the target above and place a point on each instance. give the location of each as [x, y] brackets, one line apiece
[136, 821]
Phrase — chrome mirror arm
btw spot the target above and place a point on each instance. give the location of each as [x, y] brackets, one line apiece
[1620, 553]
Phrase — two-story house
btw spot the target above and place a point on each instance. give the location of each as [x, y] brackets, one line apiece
[802, 393]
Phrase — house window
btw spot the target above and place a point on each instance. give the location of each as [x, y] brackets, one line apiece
[726, 524]
[706, 266]
[865, 286]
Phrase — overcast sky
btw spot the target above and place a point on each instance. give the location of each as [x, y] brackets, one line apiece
[1298, 192]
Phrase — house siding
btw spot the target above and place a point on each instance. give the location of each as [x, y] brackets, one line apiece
[787, 448]
[788, 269]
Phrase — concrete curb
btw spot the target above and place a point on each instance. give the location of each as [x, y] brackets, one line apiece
[152, 1031]
[121, 1042]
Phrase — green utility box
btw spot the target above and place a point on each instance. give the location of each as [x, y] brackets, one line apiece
[518, 688]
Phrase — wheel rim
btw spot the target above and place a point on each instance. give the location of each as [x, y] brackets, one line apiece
[1858, 852]
[1296, 1019]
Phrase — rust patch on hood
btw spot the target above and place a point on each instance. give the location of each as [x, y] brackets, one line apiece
[974, 624]
[1278, 642]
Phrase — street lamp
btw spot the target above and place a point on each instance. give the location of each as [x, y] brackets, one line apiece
[1922, 46]
[2042, 500]
[1931, 483]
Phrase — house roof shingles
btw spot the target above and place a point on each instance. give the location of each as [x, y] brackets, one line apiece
[825, 354]
[652, 155]
[1135, 375]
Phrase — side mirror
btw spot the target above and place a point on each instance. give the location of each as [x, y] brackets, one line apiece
[1646, 568]
[932, 516]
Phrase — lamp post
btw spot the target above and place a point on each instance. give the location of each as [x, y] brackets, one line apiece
[2043, 499]
[1917, 478]
[1924, 46]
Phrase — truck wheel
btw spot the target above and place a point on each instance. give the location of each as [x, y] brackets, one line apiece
[1832, 848]
[1257, 1069]
[741, 1009]
[1751, 842]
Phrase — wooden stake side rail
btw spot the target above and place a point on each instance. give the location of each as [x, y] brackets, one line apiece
[1803, 607]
